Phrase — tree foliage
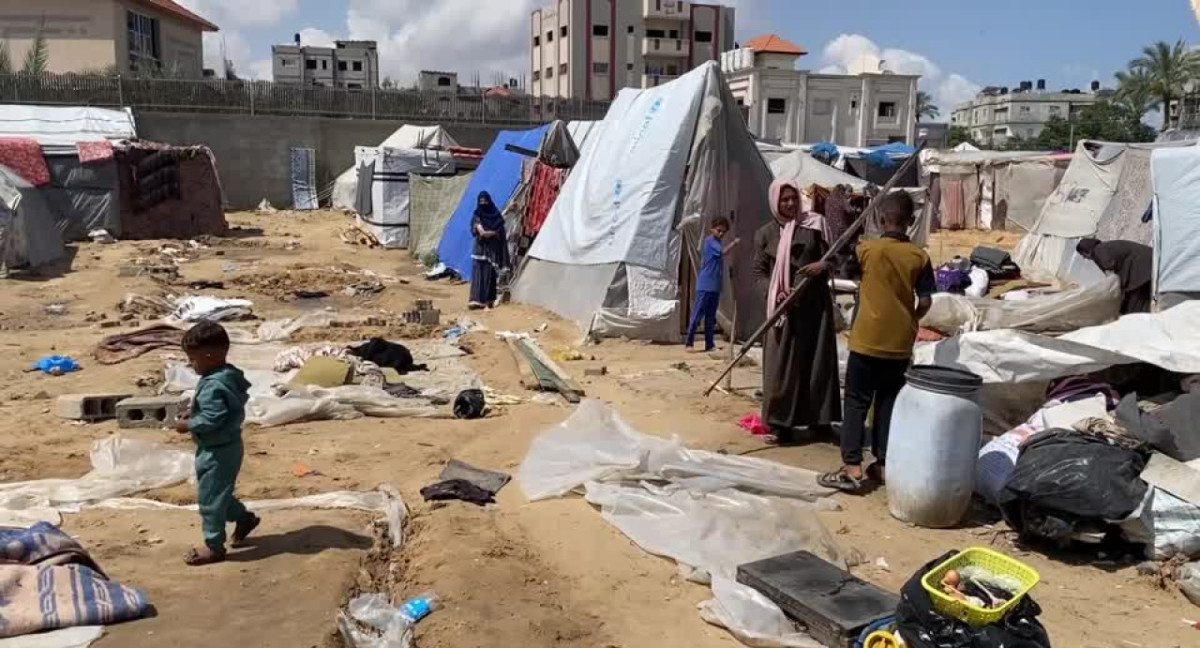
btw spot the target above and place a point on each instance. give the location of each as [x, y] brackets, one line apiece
[1167, 70]
[926, 107]
[1107, 121]
[37, 58]
[5, 59]
[1135, 92]
[958, 135]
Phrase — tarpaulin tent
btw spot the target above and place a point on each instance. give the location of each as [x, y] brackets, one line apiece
[167, 191]
[432, 203]
[33, 239]
[664, 162]
[391, 173]
[83, 197]
[345, 188]
[1176, 222]
[498, 174]
[1081, 202]
[990, 189]
[66, 125]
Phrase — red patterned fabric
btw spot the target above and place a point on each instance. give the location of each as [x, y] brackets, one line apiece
[547, 181]
[100, 151]
[24, 156]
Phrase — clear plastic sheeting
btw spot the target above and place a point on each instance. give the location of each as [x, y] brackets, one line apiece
[1059, 312]
[308, 402]
[1169, 340]
[1166, 524]
[708, 512]
[74, 637]
[119, 467]
[393, 629]
[195, 308]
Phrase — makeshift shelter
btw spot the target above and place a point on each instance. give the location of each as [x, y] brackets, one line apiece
[542, 178]
[1104, 194]
[168, 192]
[664, 162]
[383, 205]
[1176, 222]
[878, 165]
[498, 174]
[989, 190]
[345, 187]
[32, 240]
[64, 126]
[432, 202]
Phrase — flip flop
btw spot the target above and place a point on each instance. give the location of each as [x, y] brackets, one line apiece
[196, 559]
[874, 473]
[244, 528]
[839, 480]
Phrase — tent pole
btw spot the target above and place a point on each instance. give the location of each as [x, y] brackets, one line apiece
[833, 250]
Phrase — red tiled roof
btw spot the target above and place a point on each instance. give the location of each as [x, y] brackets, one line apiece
[773, 44]
[177, 10]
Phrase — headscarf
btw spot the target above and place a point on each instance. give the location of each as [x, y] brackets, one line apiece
[781, 274]
[1086, 247]
[489, 216]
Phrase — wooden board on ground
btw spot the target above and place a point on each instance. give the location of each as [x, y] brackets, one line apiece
[528, 379]
[538, 354]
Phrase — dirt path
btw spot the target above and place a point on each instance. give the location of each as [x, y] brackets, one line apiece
[542, 574]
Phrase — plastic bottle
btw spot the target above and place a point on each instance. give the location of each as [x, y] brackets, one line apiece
[420, 606]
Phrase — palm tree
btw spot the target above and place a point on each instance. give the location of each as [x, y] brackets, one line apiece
[37, 59]
[5, 59]
[926, 107]
[1168, 68]
[1135, 93]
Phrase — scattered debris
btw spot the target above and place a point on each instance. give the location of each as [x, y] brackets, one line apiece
[356, 236]
[265, 207]
[423, 313]
[55, 365]
[600, 371]
[101, 236]
[300, 469]
[56, 310]
[89, 407]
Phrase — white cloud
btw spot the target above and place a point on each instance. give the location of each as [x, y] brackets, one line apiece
[855, 54]
[242, 13]
[316, 37]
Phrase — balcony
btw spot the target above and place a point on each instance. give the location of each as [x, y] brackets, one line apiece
[666, 9]
[666, 47]
[655, 80]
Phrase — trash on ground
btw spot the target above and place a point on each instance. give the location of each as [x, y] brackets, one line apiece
[753, 424]
[458, 489]
[470, 404]
[101, 236]
[56, 365]
[486, 479]
[370, 621]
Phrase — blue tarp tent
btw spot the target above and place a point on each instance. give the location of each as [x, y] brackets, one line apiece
[498, 174]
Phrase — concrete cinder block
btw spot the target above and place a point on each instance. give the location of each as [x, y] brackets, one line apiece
[89, 407]
[148, 412]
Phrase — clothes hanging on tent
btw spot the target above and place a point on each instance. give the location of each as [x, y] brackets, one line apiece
[97, 151]
[24, 156]
[547, 182]
[304, 179]
[366, 175]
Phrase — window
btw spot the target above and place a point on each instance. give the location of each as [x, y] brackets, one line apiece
[342, 66]
[144, 40]
[444, 82]
[776, 106]
[822, 106]
[549, 73]
[285, 62]
[629, 29]
[704, 37]
[600, 31]
[324, 64]
[887, 110]
[1055, 110]
[562, 69]
[358, 66]
[600, 68]
[537, 75]
[354, 86]
[1025, 111]
[672, 70]
[655, 33]
[310, 64]
[674, 33]
[563, 31]
[537, 41]
[549, 37]
[629, 67]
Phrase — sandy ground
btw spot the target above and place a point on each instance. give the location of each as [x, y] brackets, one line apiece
[545, 574]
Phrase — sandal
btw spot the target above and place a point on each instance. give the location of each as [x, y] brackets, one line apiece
[206, 556]
[840, 480]
[244, 528]
[876, 473]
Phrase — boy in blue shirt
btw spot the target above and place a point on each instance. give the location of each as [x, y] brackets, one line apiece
[215, 423]
[708, 284]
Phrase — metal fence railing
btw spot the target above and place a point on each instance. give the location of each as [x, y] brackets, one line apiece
[268, 98]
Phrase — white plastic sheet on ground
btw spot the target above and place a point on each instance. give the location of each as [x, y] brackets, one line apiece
[1058, 312]
[195, 308]
[1169, 339]
[74, 637]
[119, 467]
[374, 610]
[1166, 524]
[708, 512]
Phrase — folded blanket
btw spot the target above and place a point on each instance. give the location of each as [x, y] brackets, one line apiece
[24, 156]
[116, 349]
[48, 597]
[99, 151]
[42, 543]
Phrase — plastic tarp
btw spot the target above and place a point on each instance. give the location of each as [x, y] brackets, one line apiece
[345, 187]
[83, 197]
[581, 132]
[390, 194]
[708, 512]
[1176, 220]
[661, 165]
[1059, 312]
[431, 203]
[66, 125]
[1169, 339]
[32, 238]
[1122, 219]
[304, 179]
[805, 170]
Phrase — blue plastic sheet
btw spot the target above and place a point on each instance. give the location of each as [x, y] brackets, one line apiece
[56, 364]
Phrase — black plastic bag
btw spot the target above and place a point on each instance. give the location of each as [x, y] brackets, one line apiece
[997, 263]
[924, 627]
[458, 489]
[1171, 429]
[470, 404]
[1063, 477]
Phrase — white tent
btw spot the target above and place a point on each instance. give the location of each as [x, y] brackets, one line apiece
[965, 146]
[32, 238]
[345, 188]
[1104, 193]
[1176, 178]
[662, 163]
[66, 125]
[973, 189]
[391, 171]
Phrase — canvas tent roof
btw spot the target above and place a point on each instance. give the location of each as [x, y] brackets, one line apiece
[498, 174]
[664, 162]
[345, 187]
[1103, 194]
[1176, 222]
[66, 125]
[36, 240]
[806, 170]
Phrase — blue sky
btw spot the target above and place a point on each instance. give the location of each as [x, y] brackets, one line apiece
[958, 45]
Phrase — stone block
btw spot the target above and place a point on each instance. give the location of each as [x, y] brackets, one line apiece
[148, 412]
[89, 407]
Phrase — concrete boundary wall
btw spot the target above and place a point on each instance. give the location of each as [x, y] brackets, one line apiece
[254, 152]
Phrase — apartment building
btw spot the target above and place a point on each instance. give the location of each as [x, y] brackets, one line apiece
[129, 36]
[997, 115]
[793, 106]
[591, 49]
[352, 65]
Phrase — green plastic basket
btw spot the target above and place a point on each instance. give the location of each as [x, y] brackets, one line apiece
[998, 564]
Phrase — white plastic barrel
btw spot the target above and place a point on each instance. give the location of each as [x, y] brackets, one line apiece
[936, 431]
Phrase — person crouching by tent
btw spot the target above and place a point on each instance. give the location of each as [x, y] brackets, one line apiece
[490, 255]
[1133, 263]
[708, 284]
[800, 360]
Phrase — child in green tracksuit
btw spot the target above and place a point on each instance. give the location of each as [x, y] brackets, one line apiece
[215, 423]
